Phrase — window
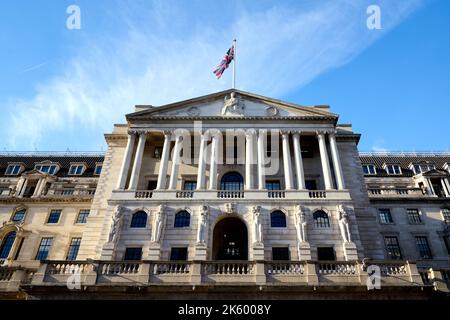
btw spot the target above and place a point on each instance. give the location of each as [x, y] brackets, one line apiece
[278, 219]
[321, 219]
[152, 184]
[133, 254]
[414, 216]
[273, 185]
[178, 254]
[232, 181]
[385, 216]
[13, 170]
[47, 168]
[182, 219]
[446, 214]
[369, 169]
[76, 170]
[190, 185]
[447, 243]
[7, 244]
[44, 248]
[73, 249]
[280, 254]
[19, 215]
[423, 247]
[83, 215]
[421, 168]
[326, 254]
[139, 220]
[392, 248]
[157, 152]
[393, 169]
[311, 185]
[54, 216]
[98, 169]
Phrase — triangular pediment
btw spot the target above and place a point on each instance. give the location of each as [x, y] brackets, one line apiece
[435, 173]
[231, 104]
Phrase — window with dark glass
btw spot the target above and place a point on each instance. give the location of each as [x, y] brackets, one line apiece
[83, 215]
[273, 185]
[179, 254]
[73, 249]
[385, 216]
[278, 219]
[152, 184]
[44, 248]
[326, 254]
[98, 169]
[76, 170]
[369, 169]
[414, 216]
[19, 215]
[54, 216]
[133, 254]
[392, 248]
[423, 247]
[393, 169]
[232, 181]
[321, 219]
[182, 219]
[50, 169]
[157, 152]
[446, 214]
[280, 254]
[190, 185]
[13, 170]
[139, 220]
[311, 185]
[7, 244]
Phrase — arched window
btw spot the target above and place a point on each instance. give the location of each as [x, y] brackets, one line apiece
[232, 181]
[321, 219]
[278, 219]
[139, 220]
[7, 244]
[19, 215]
[182, 219]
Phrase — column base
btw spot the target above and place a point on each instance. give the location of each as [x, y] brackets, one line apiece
[200, 252]
[108, 251]
[350, 251]
[154, 252]
[304, 251]
[258, 252]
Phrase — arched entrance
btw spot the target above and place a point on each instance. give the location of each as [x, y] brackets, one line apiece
[230, 240]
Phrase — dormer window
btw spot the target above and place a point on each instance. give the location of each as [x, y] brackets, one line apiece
[369, 169]
[393, 169]
[13, 169]
[76, 169]
[47, 168]
[98, 169]
[447, 166]
[419, 168]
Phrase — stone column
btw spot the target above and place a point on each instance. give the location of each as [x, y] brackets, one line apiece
[298, 161]
[444, 186]
[126, 162]
[324, 160]
[24, 187]
[261, 160]
[249, 159]
[213, 163]
[137, 161]
[162, 174]
[336, 162]
[287, 160]
[447, 183]
[202, 163]
[175, 163]
[37, 190]
[20, 184]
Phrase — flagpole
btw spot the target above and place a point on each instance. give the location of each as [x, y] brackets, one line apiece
[234, 64]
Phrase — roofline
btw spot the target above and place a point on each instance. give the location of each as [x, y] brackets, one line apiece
[52, 154]
[404, 153]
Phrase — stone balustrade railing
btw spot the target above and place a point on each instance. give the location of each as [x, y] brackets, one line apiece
[396, 192]
[68, 192]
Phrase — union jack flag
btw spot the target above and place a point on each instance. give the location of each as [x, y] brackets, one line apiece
[223, 65]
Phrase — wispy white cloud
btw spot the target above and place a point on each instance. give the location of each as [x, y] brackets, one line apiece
[279, 49]
[37, 66]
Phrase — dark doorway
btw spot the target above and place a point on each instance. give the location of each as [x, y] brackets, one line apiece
[152, 184]
[230, 240]
[437, 187]
[326, 254]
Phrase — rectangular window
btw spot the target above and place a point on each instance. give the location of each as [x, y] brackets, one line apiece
[190, 185]
[13, 170]
[54, 216]
[326, 254]
[19, 215]
[273, 185]
[152, 184]
[369, 169]
[280, 254]
[98, 169]
[392, 248]
[50, 169]
[178, 254]
[157, 152]
[76, 170]
[83, 215]
[414, 216]
[423, 247]
[44, 248]
[73, 249]
[311, 185]
[385, 216]
[393, 169]
[133, 254]
[446, 214]
[421, 168]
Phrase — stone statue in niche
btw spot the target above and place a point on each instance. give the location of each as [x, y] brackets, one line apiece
[344, 224]
[257, 226]
[301, 224]
[158, 225]
[233, 106]
[116, 225]
[202, 225]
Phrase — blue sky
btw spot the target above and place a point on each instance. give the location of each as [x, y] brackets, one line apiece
[62, 89]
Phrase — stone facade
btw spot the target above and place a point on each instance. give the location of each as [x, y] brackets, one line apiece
[226, 189]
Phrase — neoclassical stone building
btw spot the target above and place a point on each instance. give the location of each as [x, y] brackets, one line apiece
[226, 195]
